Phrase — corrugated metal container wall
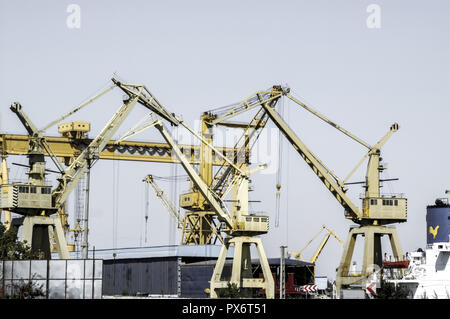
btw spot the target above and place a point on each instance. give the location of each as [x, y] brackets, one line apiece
[140, 276]
[195, 278]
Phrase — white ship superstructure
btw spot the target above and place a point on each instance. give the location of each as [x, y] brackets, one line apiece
[428, 274]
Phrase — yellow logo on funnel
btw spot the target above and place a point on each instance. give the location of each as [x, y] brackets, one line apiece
[434, 231]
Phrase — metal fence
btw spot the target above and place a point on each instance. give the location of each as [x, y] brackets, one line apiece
[57, 279]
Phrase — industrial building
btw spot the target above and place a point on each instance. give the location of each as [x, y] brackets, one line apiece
[182, 271]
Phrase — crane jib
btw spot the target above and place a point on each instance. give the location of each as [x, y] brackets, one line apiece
[318, 168]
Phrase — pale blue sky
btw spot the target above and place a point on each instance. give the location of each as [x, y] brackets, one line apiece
[199, 55]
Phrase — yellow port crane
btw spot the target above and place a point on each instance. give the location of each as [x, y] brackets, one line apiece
[74, 140]
[193, 227]
[313, 259]
[241, 227]
[378, 209]
[36, 201]
[21, 199]
[174, 212]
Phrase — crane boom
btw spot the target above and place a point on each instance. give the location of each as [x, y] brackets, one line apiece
[260, 97]
[323, 118]
[146, 99]
[318, 168]
[80, 165]
[209, 196]
[319, 250]
[267, 97]
[37, 145]
[76, 170]
[29, 126]
[330, 232]
[323, 243]
[167, 203]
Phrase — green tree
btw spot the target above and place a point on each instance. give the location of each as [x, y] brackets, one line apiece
[13, 249]
[26, 290]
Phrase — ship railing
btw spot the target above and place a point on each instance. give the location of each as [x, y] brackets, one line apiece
[382, 195]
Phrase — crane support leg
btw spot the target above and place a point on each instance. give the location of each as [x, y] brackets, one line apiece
[35, 232]
[4, 180]
[372, 258]
[241, 273]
